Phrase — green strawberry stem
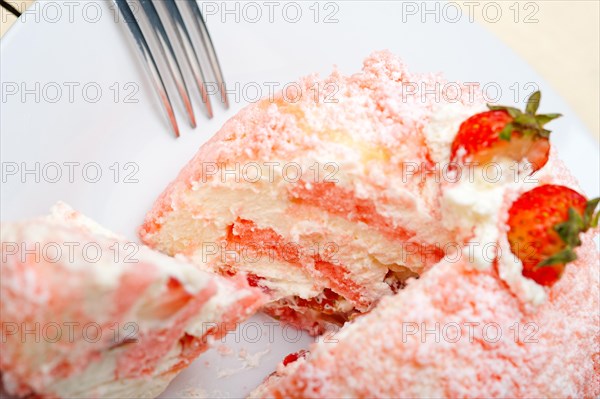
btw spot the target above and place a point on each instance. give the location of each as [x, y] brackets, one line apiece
[569, 233]
[528, 123]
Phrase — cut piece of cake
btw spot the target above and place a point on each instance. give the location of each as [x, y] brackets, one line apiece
[319, 197]
[86, 313]
[459, 332]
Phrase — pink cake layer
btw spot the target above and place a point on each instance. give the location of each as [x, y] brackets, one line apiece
[340, 202]
[247, 232]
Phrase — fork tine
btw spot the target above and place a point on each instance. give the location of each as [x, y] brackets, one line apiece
[191, 56]
[210, 50]
[138, 36]
[169, 54]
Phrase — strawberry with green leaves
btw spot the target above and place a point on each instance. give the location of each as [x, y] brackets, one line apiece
[505, 133]
[544, 228]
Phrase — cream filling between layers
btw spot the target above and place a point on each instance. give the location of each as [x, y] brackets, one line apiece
[366, 253]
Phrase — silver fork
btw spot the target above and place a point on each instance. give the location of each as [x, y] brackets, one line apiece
[145, 16]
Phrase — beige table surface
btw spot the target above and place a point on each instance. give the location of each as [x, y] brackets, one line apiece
[562, 45]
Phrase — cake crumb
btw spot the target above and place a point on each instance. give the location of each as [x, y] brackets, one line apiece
[249, 361]
[224, 350]
[199, 393]
[252, 360]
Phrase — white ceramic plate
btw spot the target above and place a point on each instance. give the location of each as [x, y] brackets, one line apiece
[81, 46]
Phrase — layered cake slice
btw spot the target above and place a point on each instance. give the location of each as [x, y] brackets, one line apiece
[326, 196]
[86, 313]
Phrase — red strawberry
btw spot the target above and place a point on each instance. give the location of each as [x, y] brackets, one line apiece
[544, 229]
[505, 132]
